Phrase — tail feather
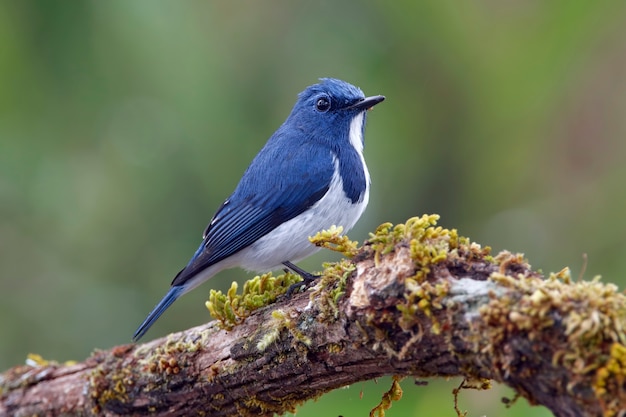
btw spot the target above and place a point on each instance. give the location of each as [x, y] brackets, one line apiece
[171, 296]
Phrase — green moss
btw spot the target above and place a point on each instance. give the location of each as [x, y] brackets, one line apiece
[282, 320]
[332, 239]
[429, 244]
[334, 348]
[610, 379]
[394, 394]
[422, 298]
[593, 315]
[255, 406]
[231, 309]
[331, 287]
[268, 338]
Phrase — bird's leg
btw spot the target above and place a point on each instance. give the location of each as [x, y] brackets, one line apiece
[307, 277]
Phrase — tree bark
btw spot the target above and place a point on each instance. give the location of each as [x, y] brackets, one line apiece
[420, 302]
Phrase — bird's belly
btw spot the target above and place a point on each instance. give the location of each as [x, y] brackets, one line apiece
[290, 240]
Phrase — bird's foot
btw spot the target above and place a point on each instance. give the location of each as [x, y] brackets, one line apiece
[307, 278]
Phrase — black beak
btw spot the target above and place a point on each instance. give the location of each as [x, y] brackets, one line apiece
[367, 103]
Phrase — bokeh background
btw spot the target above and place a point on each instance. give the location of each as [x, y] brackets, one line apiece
[123, 126]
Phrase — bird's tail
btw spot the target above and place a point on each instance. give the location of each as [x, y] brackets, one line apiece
[171, 296]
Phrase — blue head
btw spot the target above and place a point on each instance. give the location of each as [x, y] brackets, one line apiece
[332, 111]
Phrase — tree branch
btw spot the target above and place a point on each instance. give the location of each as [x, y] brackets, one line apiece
[417, 301]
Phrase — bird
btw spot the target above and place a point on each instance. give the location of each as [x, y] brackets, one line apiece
[309, 176]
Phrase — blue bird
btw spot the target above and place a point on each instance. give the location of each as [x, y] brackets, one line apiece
[310, 175]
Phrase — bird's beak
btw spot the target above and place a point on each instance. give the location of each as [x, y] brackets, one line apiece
[367, 103]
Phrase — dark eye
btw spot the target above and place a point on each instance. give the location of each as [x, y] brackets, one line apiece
[322, 104]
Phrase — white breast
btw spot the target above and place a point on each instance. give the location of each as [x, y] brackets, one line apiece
[290, 240]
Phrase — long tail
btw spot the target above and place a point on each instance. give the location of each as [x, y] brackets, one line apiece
[171, 296]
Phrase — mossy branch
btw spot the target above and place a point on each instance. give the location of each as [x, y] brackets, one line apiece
[415, 300]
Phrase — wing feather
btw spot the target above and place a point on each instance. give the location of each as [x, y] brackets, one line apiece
[271, 192]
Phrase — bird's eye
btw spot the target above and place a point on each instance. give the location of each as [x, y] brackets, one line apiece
[322, 104]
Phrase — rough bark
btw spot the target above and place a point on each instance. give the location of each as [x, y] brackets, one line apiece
[415, 305]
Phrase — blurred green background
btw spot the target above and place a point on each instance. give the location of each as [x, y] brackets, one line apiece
[123, 126]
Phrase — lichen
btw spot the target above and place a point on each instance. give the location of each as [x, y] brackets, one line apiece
[168, 358]
[34, 359]
[114, 381]
[107, 387]
[35, 369]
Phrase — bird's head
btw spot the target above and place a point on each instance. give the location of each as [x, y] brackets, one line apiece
[328, 110]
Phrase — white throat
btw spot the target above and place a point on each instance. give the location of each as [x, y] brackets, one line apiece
[356, 140]
[356, 133]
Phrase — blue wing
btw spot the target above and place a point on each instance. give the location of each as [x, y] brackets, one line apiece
[279, 185]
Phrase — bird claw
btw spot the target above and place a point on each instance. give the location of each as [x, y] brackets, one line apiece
[307, 278]
[306, 281]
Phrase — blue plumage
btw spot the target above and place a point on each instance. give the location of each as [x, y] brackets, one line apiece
[310, 175]
[249, 214]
